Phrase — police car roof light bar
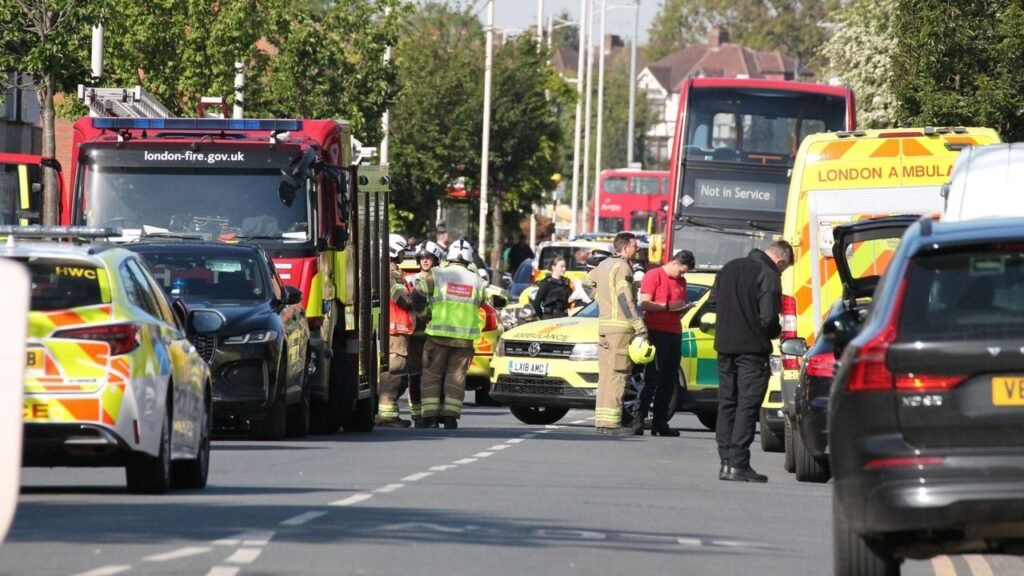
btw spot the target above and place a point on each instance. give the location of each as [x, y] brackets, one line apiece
[215, 124]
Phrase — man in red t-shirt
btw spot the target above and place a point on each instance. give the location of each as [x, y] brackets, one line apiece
[663, 300]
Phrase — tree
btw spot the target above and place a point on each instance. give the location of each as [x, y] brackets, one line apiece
[865, 66]
[48, 40]
[565, 32]
[958, 63]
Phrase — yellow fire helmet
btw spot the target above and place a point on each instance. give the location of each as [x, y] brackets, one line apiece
[641, 351]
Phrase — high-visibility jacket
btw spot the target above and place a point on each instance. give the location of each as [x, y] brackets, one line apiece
[612, 281]
[456, 296]
[401, 318]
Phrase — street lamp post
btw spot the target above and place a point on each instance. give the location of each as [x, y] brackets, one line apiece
[579, 119]
[630, 129]
[486, 151]
[600, 121]
[586, 115]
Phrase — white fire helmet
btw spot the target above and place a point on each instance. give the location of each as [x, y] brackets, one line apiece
[430, 248]
[396, 245]
[460, 251]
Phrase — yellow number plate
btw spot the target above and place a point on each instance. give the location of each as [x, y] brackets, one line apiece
[1008, 391]
[35, 359]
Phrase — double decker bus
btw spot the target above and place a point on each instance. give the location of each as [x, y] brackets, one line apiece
[630, 198]
[732, 158]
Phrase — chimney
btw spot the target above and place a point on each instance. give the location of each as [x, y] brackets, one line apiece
[718, 36]
[612, 41]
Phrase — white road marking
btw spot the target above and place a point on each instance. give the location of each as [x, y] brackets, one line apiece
[106, 570]
[245, 555]
[353, 499]
[442, 468]
[388, 489]
[465, 461]
[302, 518]
[689, 541]
[417, 476]
[179, 553]
[483, 454]
[552, 426]
[978, 565]
[531, 435]
[223, 571]
[254, 538]
[579, 422]
[943, 566]
[514, 441]
[498, 447]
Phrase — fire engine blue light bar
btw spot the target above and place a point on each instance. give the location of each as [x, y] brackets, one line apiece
[196, 124]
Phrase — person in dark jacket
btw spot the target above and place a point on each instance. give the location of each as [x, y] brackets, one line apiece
[518, 252]
[552, 298]
[747, 299]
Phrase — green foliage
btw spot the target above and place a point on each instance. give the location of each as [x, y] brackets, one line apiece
[959, 63]
[865, 66]
[616, 115]
[565, 33]
[790, 26]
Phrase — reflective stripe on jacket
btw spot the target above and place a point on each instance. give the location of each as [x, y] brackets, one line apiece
[401, 318]
[455, 299]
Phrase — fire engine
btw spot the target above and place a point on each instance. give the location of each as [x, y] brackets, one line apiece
[292, 186]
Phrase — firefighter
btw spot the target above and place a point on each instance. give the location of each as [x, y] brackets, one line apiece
[428, 255]
[454, 295]
[403, 324]
[618, 323]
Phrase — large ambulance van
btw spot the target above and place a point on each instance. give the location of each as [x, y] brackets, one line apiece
[987, 182]
[843, 176]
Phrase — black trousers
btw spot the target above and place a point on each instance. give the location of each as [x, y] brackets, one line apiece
[661, 377]
[742, 383]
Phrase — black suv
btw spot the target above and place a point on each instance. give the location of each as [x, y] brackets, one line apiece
[926, 412]
[258, 359]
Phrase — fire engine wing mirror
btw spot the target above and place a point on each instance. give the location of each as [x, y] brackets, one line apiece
[842, 329]
[205, 321]
[793, 347]
[292, 295]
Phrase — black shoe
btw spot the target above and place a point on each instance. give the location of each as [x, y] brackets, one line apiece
[393, 423]
[428, 422]
[744, 475]
[616, 431]
[663, 430]
[638, 426]
[723, 471]
[449, 422]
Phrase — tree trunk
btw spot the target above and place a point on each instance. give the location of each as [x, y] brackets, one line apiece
[496, 216]
[51, 190]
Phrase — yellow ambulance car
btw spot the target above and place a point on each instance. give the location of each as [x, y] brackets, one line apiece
[844, 176]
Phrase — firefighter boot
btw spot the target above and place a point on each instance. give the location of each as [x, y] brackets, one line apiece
[427, 422]
[449, 422]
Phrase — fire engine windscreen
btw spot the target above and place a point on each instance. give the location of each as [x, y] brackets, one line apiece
[213, 202]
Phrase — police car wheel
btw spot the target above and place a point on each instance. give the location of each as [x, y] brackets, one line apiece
[192, 474]
[538, 415]
[147, 474]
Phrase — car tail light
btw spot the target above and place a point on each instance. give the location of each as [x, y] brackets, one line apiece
[821, 365]
[490, 316]
[900, 134]
[925, 382]
[906, 462]
[867, 367]
[789, 330]
[122, 338]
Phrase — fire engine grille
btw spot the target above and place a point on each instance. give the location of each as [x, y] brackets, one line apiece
[205, 345]
[537, 386]
[546, 349]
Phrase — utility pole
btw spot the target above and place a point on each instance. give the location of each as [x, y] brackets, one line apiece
[600, 120]
[579, 118]
[540, 24]
[586, 115]
[630, 131]
[485, 153]
[385, 121]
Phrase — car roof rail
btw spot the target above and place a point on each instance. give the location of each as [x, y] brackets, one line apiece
[70, 233]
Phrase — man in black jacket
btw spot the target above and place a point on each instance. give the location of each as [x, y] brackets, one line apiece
[747, 298]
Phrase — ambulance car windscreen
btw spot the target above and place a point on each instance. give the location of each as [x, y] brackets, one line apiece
[58, 285]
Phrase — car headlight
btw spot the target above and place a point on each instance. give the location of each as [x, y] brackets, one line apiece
[499, 350]
[583, 352]
[255, 337]
[776, 364]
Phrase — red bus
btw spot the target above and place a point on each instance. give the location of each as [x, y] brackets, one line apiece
[628, 199]
[732, 154]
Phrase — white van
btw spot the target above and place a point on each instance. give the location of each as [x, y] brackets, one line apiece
[987, 182]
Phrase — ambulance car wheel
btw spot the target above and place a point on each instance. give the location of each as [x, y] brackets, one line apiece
[709, 418]
[482, 392]
[147, 474]
[538, 415]
[769, 441]
[328, 415]
[273, 425]
[192, 474]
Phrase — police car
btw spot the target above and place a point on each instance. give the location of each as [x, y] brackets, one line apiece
[111, 378]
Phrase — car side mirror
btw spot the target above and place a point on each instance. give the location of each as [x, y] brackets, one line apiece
[707, 323]
[498, 301]
[292, 295]
[842, 329]
[793, 347]
[205, 321]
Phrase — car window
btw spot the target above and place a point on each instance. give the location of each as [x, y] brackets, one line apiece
[970, 293]
[143, 290]
[695, 292]
[213, 277]
[575, 257]
[276, 284]
[163, 305]
[57, 285]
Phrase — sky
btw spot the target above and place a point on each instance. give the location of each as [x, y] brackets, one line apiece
[521, 14]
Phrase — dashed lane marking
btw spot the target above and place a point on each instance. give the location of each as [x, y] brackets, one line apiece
[302, 518]
[498, 447]
[106, 570]
[483, 454]
[943, 566]
[253, 538]
[176, 554]
[417, 476]
[443, 467]
[223, 571]
[353, 499]
[514, 441]
[465, 461]
[978, 565]
[388, 489]
[245, 556]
